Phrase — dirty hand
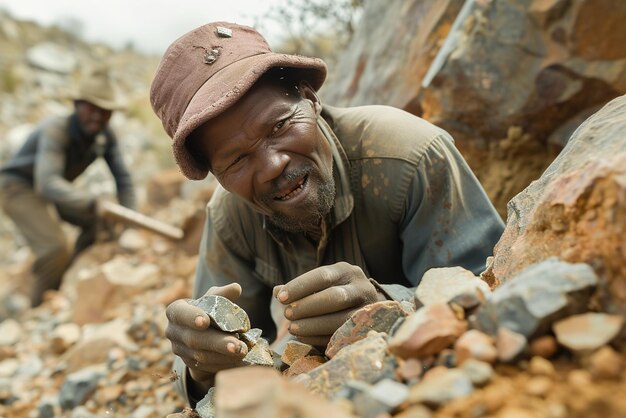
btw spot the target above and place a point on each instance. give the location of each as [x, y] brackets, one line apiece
[204, 350]
[321, 300]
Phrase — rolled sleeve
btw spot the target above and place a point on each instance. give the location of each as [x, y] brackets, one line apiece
[121, 175]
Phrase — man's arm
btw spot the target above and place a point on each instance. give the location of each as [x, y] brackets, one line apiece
[220, 264]
[123, 180]
[448, 219]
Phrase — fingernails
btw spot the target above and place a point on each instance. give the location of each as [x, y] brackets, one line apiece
[235, 348]
[288, 313]
[282, 296]
[199, 321]
[293, 328]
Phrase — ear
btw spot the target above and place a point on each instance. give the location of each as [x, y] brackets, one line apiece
[308, 93]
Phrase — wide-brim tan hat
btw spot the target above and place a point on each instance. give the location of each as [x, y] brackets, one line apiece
[206, 71]
[97, 88]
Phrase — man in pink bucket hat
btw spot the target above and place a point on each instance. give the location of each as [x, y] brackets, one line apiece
[321, 210]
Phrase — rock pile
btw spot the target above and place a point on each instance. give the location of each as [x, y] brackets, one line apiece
[395, 359]
[101, 352]
[97, 348]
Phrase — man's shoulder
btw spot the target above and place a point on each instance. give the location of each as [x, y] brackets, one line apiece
[235, 223]
[55, 127]
[382, 132]
[54, 122]
[228, 210]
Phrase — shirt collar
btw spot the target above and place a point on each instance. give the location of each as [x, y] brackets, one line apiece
[344, 201]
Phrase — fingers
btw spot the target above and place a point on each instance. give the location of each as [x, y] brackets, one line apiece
[206, 361]
[182, 313]
[231, 291]
[316, 341]
[333, 299]
[316, 280]
[324, 325]
[206, 351]
[210, 340]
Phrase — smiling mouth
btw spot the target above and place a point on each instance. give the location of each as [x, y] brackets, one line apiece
[295, 191]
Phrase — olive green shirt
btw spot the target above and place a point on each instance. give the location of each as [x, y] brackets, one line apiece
[406, 201]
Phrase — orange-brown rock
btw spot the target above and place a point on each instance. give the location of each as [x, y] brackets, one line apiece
[587, 332]
[295, 350]
[304, 365]
[508, 92]
[606, 363]
[118, 280]
[379, 316]
[510, 345]
[477, 345]
[164, 187]
[577, 209]
[262, 392]
[428, 331]
[544, 346]
[367, 360]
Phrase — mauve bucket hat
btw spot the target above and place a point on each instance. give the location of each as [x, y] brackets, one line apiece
[206, 71]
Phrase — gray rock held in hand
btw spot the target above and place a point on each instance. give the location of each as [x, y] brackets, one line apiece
[259, 354]
[206, 406]
[224, 314]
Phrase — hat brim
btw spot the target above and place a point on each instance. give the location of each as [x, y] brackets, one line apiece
[225, 88]
[101, 103]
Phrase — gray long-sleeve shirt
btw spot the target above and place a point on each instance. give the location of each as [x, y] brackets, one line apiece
[56, 152]
[406, 201]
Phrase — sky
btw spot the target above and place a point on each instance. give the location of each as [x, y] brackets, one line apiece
[151, 25]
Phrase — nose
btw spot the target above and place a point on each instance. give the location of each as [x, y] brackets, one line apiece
[271, 164]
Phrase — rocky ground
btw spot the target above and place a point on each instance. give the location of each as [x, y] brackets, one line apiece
[96, 347]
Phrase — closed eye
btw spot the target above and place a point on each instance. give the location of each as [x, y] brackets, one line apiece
[238, 159]
[279, 127]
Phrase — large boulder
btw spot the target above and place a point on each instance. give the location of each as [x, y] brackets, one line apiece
[510, 80]
[577, 209]
[390, 53]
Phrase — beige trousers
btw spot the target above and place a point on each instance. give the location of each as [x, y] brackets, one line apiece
[39, 221]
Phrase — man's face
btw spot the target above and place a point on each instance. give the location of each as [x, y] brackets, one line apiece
[91, 118]
[268, 149]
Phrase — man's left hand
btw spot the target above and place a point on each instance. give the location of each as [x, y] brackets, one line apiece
[321, 300]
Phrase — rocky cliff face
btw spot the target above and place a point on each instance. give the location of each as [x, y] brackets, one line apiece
[577, 209]
[510, 80]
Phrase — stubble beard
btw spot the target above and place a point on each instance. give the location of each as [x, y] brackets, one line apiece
[317, 205]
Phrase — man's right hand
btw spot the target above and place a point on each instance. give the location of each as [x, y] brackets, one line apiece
[204, 350]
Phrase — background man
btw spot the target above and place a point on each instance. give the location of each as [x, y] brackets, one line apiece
[36, 183]
[321, 210]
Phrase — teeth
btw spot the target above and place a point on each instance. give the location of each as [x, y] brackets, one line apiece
[293, 192]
